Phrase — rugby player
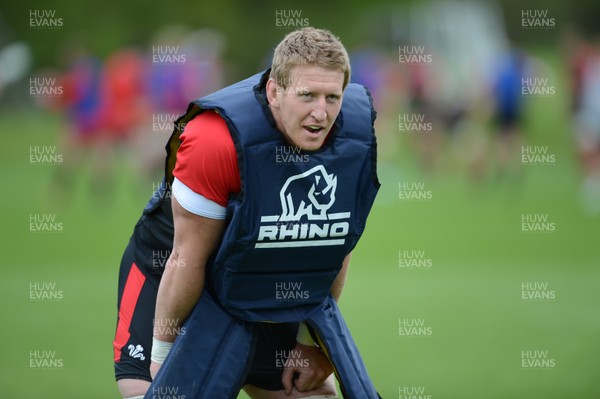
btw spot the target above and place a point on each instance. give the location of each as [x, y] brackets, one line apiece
[241, 234]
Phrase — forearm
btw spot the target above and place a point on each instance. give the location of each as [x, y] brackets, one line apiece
[320, 366]
[180, 288]
[338, 284]
[195, 239]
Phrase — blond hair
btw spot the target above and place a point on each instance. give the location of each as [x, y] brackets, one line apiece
[312, 46]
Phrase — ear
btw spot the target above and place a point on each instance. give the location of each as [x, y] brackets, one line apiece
[271, 90]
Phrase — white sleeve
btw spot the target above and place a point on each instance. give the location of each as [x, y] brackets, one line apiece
[196, 203]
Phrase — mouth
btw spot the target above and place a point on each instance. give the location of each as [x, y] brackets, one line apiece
[313, 130]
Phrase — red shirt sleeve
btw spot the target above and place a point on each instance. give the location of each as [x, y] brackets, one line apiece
[207, 159]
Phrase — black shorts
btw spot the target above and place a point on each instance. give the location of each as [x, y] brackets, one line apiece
[139, 277]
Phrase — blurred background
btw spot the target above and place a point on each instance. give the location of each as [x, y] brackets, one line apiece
[477, 276]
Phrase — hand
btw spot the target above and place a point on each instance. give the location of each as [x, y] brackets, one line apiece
[154, 367]
[311, 365]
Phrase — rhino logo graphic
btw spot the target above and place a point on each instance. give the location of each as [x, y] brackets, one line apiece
[136, 352]
[308, 194]
[305, 220]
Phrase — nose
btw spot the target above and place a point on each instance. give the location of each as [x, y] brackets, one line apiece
[319, 111]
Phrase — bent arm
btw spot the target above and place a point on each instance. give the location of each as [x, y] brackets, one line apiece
[182, 283]
[320, 367]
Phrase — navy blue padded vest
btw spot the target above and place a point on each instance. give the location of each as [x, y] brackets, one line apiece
[298, 214]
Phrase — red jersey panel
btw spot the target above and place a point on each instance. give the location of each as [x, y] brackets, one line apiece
[207, 160]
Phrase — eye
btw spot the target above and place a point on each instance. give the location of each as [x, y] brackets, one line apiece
[333, 98]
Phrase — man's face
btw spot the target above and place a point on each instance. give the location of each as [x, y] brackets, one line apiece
[306, 109]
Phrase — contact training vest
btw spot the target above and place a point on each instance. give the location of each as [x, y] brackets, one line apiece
[288, 231]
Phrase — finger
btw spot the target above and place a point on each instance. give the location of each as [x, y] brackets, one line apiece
[287, 380]
[303, 382]
[308, 386]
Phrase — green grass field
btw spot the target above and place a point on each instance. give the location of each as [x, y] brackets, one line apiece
[469, 300]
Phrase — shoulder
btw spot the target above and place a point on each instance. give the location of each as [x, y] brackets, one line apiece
[207, 158]
[206, 138]
[209, 129]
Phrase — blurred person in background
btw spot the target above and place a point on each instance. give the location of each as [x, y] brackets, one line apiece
[124, 104]
[422, 108]
[460, 43]
[15, 58]
[104, 103]
[508, 110]
[84, 138]
[182, 64]
[587, 126]
[376, 69]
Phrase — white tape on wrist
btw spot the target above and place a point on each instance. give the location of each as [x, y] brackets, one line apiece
[160, 350]
[304, 336]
